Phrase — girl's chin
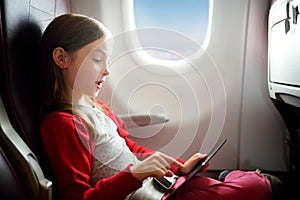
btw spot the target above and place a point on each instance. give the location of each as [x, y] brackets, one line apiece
[97, 92]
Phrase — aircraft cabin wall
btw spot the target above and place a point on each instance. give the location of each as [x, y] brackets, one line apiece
[218, 92]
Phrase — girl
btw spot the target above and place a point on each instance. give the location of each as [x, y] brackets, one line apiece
[87, 145]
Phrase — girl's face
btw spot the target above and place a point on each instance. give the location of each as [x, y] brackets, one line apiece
[88, 68]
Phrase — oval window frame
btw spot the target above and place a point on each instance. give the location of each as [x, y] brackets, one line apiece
[143, 57]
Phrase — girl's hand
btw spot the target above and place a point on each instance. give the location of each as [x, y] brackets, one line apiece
[191, 163]
[157, 165]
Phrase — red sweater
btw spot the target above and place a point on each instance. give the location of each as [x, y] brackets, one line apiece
[70, 151]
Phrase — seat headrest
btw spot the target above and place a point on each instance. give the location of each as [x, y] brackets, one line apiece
[22, 24]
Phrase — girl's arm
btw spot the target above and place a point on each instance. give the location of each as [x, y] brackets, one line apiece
[70, 152]
[140, 151]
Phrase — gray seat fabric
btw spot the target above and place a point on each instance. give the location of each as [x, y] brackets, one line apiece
[10, 187]
[22, 24]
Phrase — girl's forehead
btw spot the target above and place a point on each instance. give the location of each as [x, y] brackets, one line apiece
[105, 46]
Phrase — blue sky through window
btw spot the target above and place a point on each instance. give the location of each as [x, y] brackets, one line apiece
[189, 17]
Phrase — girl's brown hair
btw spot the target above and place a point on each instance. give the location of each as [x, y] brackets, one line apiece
[70, 32]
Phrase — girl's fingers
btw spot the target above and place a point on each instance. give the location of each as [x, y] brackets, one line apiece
[192, 162]
[169, 173]
[157, 165]
[171, 160]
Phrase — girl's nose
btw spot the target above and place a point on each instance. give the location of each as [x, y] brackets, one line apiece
[106, 71]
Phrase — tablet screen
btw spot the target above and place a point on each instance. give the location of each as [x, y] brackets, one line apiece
[198, 167]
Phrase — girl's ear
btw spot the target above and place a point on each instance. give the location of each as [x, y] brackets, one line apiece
[61, 57]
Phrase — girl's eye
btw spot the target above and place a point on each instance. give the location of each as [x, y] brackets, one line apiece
[97, 60]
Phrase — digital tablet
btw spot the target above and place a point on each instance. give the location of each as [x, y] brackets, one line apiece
[196, 169]
[164, 188]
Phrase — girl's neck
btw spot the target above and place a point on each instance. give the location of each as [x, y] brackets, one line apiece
[81, 99]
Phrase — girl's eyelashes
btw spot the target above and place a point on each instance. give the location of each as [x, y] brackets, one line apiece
[97, 60]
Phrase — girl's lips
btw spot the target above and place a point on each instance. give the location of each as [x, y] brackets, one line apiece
[98, 84]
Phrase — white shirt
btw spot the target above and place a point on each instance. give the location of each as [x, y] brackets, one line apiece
[111, 152]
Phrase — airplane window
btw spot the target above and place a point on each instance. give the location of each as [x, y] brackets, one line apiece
[188, 18]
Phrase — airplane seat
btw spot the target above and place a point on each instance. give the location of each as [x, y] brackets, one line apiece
[291, 117]
[23, 165]
[21, 25]
[284, 70]
[10, 187]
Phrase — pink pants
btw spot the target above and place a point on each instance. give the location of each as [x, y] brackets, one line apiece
[238, 185]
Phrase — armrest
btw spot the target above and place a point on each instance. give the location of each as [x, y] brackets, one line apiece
[136, 120]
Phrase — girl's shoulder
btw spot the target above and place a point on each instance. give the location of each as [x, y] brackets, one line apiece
[104, 106]
[58, 114]
[62, 117]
